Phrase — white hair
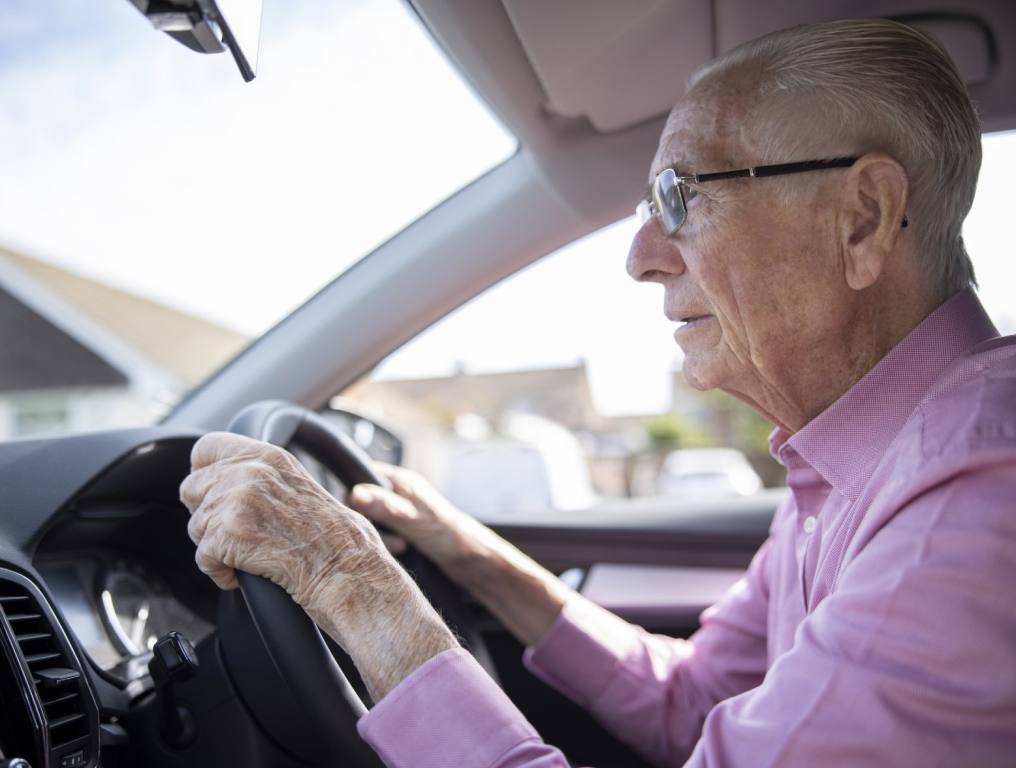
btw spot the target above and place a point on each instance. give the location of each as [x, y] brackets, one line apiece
[849, 87]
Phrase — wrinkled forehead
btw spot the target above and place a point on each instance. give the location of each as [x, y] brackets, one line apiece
[708, 130]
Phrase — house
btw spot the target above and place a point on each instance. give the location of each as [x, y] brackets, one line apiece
[78, 354]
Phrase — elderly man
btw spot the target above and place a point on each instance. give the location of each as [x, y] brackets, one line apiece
[826, 284]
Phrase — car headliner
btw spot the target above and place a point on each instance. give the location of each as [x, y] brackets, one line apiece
[550, 72]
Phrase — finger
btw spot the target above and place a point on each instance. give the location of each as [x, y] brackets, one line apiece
[385, 468]
[412, 486]
[210, 565]
[194, 488]
[198, 523]
[406, 483]
[380, 505]
[394, 474]
[216, 446]
[396, 544]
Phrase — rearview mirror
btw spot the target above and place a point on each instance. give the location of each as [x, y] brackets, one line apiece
[211, 26]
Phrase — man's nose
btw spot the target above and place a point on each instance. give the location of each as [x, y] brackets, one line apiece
[652, 256]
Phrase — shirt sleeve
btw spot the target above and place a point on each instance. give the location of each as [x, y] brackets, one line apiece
[449, 712]
[889, 669]
[654, 692]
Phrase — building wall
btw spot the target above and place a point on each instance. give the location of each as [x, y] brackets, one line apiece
[52, 411]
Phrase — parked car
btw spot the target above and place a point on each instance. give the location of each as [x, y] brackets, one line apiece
[707, 472]
[532, 465]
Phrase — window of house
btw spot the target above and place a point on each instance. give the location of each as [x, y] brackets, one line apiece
[40, 415]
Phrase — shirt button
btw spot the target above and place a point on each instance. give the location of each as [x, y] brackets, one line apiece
[809, 524]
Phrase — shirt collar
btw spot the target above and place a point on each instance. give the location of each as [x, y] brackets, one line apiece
[845, 442]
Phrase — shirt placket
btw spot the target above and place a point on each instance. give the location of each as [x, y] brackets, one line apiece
[810, 492]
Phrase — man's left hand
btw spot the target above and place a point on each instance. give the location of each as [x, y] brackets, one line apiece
[255, 508]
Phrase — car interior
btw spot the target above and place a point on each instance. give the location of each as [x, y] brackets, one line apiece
[93, 540]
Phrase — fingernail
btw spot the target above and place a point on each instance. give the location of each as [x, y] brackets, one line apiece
[360, 495]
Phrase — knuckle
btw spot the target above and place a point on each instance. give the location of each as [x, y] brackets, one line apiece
[376, 504]
[198, 451]
[273, 456]
[248, 498]
[233, 523]
[204, 558]
[185, 498]
[400, 506]
[193, 530]
[263, 469]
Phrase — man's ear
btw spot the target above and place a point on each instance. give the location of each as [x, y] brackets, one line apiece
[874, 206]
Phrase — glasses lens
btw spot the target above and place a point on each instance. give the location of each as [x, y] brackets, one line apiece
[669, 202]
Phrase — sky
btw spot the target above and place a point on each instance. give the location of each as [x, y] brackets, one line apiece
[134, 161]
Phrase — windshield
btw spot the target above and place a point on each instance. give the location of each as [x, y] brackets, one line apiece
[157, 213]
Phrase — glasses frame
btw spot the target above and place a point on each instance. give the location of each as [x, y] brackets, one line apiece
[666, 201]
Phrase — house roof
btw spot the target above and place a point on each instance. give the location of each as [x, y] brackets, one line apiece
[560, 393]
[38, 354]
[184, 349]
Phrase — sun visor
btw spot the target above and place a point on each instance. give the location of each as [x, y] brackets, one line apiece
[615, 63]
[618, 64]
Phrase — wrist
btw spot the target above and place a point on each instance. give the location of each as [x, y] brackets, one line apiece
[385, 624]
[399, 638]
[477, 553]
[521, 594]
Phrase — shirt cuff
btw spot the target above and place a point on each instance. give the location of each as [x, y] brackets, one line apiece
[447, 712]
[581, 652]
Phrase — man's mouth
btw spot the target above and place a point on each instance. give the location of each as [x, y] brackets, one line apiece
[689, 324]
[689, 320]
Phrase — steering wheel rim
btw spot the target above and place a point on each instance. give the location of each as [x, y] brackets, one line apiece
[293, 642]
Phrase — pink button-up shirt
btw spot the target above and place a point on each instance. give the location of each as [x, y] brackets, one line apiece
[876, 626]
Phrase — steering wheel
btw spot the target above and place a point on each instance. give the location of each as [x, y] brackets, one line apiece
[328, 704]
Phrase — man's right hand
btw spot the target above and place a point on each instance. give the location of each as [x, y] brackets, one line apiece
[415, 512]
[517, 590]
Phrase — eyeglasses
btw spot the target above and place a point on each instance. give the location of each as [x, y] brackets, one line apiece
[667, 204]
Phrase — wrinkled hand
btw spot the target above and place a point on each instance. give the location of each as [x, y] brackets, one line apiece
[255, 508]
[419, 515]
[523, 595]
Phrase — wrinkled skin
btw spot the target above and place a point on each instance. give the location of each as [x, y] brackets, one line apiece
[417, 512]
[255, 508]
[802, 282]
[518, 591]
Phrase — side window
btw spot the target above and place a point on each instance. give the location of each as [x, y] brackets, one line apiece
[560, 388]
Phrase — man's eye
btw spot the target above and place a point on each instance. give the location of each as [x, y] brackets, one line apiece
[690, 194]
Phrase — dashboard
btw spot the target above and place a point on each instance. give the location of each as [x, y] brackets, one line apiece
[95, 567]
[118, 607]
[119, 565]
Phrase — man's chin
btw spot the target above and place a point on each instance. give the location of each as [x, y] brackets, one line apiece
[699, 371]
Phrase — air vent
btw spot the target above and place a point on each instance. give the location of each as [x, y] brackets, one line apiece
[60, 690]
